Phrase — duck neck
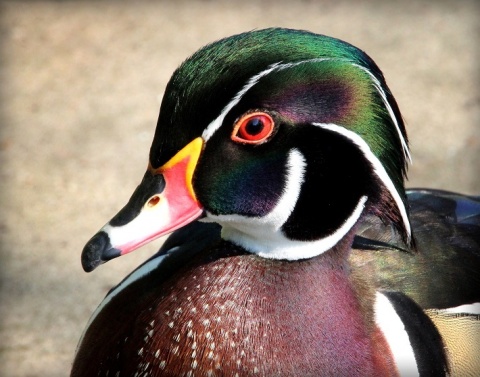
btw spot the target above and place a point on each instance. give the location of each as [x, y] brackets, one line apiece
[315, 305]
[266, 238]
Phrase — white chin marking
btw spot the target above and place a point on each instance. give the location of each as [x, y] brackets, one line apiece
[144, 226]
[397, 338]
[263, 235]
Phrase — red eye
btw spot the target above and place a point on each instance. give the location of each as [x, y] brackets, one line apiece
[253, 128]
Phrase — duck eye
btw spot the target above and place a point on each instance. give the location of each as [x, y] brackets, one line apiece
[253, 128]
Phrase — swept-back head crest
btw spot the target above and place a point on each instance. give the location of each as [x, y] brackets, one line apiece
[215, 77]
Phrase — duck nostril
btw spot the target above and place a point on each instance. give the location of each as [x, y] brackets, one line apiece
[153, 201]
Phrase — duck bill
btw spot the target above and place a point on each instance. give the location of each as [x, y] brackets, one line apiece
[163, 202]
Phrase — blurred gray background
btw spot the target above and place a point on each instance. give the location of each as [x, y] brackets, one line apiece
[81, 84]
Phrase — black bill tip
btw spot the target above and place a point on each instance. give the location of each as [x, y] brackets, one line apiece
[98, 250]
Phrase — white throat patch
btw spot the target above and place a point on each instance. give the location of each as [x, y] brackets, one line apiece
[263, 235]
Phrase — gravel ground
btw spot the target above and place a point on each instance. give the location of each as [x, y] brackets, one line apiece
[81, 83]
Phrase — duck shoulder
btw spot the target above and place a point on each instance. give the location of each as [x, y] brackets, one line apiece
[443, 271]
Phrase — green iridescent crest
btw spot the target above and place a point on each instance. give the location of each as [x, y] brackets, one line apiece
[203, 86]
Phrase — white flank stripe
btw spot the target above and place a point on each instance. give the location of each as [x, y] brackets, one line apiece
[377, 167]
[397, 338]
[472, 309]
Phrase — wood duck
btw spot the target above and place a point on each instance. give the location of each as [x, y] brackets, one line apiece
[278, 162]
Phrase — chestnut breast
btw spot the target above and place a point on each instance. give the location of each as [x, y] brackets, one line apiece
[235, 315]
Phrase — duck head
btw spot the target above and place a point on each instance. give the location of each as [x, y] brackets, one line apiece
[283, 137]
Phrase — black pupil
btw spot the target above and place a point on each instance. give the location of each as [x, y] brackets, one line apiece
[254, 126]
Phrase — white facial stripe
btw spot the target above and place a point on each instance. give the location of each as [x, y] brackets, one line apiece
[217, 123]
[274, 245]
[263, 235]
[296, 166]
[239, 228]
[377, 167]
[397, 338]
[378, 86]
[274, 220]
